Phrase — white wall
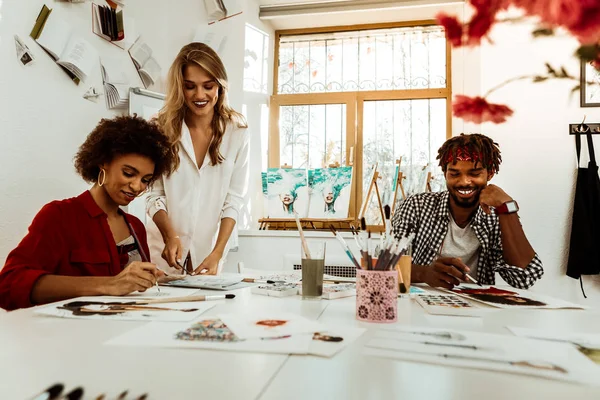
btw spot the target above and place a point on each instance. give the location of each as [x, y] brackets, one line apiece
[43, 117]
[538, 154]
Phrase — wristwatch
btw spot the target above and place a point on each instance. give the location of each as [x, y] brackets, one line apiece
[507, 208]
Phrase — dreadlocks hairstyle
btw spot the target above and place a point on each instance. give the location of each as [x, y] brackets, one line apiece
[475, 147]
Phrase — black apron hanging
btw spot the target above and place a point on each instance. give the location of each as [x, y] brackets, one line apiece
[584, 247]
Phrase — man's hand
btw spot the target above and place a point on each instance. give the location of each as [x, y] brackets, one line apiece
[492, 196]
[445, 272]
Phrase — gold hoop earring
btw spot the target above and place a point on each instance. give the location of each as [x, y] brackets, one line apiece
[103, 173]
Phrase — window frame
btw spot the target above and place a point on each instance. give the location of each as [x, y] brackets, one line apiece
[354, 102]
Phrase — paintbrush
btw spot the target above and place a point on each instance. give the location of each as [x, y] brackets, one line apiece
[472, 280]
[253, 280]
[345, 247]
[184, 299]
[302, 238]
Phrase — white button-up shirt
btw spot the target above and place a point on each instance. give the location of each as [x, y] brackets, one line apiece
[196, 199]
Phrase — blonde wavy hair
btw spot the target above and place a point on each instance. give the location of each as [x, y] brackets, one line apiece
[172, 115]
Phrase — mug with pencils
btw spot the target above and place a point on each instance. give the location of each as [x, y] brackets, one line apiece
[376, 295]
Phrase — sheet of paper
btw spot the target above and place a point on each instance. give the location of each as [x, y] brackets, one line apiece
[587, 343]
[120, 308]
[508, 297]
[23, 53]
[263, 324]
[208, 333]
[484, 351]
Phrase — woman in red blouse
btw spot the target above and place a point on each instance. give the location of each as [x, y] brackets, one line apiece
[87, 246]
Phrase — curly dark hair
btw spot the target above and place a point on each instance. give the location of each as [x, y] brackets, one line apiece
[474, 143]
[120, 136]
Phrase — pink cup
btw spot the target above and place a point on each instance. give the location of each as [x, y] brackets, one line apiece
[377, 296]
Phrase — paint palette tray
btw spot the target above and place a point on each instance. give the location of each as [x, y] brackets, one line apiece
[448, 304]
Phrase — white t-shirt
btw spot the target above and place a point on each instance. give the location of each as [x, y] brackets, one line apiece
[462, 243]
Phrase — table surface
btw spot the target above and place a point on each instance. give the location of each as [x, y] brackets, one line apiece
[38, 351]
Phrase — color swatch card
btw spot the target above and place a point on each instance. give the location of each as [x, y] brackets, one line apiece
[269, 324]
[450, 304]
[484, 351]
[510, 297]
[125, 309]
[209, 333]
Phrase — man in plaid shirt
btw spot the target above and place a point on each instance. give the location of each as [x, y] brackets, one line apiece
[471, 228]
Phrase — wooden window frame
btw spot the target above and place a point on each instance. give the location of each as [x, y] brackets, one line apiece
[354, 102]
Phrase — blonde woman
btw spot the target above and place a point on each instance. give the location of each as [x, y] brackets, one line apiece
[194, 210]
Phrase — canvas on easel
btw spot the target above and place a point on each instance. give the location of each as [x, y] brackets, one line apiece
[329, 192]
[287, 192]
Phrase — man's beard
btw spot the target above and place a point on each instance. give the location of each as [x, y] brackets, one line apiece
[466, 203]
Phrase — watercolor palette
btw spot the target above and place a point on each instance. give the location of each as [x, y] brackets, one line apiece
[447, 304]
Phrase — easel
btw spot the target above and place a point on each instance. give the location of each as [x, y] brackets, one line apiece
[428, 182]
[373, 184]
[399, 179]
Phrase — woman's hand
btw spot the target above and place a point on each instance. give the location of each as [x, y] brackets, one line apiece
[210, 265]
[172, 251]
[137, 276]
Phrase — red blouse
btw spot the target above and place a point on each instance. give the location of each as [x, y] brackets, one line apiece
[67, 237]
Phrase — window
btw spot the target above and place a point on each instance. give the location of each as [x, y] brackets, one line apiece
[362, 96]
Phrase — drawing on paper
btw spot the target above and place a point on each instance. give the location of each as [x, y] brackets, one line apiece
[326, 338]
[329, 192]
[271, 323]
[86, 308]
[213, 330]
[498, 296]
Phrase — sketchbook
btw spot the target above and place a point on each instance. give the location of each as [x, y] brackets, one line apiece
[71, 52]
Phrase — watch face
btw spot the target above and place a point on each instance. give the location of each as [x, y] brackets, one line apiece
[511, 207]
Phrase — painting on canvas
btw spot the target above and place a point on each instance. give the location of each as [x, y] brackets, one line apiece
[330, 192]
[287, 192]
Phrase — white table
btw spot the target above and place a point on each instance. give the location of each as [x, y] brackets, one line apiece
[38, 351]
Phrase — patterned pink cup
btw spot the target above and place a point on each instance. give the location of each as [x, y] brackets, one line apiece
[377, 296]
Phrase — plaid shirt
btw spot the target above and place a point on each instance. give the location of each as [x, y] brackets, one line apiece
[427, 215]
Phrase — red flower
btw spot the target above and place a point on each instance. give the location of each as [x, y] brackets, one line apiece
[580, 17]
[478, 110]
[453, 28]
[479, 26]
